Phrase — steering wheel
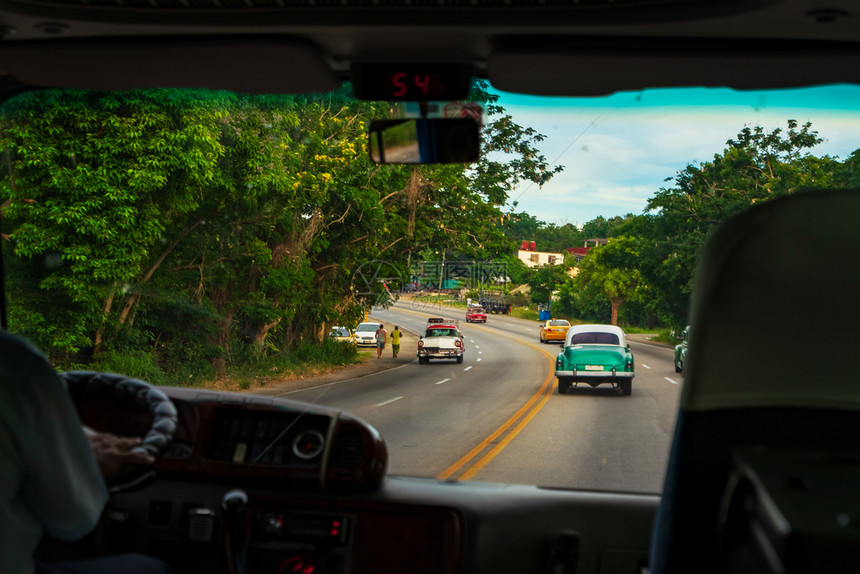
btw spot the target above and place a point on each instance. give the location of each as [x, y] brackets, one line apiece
[139, 393]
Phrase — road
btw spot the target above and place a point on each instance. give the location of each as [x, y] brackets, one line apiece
[498, 416]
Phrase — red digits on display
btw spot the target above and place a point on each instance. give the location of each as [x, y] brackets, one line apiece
[423, 83]
[437, 88]
[399, 82]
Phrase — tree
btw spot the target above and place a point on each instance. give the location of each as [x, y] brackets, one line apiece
[543, 280]
[612, 270]
[756, 166]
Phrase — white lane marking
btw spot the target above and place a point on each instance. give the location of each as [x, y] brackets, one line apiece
[671, 381]
[443, 381]
[477, 346]
[510, 325]
[467, 368]
[480, 352]
[479, 358]
[646, 366]
[382, 404]
[471, 340]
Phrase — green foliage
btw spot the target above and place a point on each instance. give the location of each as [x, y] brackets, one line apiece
[179, 234]
[543, 280]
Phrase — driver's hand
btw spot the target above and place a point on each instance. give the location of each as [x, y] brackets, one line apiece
[112, 452]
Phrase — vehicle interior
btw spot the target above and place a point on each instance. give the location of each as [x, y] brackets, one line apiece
[763, 465]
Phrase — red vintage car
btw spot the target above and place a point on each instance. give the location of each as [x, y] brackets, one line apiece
[476, 315]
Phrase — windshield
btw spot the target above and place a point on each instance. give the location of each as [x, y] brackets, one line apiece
[559, 324]
[212, 240]
[441, 333]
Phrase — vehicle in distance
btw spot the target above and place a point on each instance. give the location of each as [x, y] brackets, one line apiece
[441, 340]
[365, 334]
[476, 315]
[341, 334]
[554, 330]
[595, 355]
[681, 351]
[494, 302]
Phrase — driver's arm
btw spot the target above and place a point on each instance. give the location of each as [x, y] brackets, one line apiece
[48, 463]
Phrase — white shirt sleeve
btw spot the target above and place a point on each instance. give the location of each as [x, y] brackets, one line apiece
[60, 485]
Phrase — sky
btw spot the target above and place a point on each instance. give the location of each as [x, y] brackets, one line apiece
[617, 151]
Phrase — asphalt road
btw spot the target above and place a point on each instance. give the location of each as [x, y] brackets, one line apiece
[499, 417]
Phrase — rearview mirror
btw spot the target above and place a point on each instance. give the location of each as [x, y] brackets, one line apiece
[425, 140]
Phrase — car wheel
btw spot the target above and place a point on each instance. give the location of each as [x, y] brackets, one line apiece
[626, 387]
[542, 340]
[563, 386]
[422, 360]
[677, 368]
[460, 359]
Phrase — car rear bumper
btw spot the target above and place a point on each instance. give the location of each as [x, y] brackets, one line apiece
[591, 375]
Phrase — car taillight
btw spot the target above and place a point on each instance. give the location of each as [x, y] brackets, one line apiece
[420, 344]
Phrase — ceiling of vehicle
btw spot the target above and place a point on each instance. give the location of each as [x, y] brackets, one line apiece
[520, 45]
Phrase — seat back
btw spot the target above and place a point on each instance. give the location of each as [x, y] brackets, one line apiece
[770, 361]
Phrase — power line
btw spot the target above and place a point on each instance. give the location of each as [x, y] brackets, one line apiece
[564, 151]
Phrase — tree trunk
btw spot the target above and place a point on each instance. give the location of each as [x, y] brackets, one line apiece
[615, 306]
[262, 332]
[223, 342]
[100, 331]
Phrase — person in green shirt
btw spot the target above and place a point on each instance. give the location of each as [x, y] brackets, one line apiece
[395, 340]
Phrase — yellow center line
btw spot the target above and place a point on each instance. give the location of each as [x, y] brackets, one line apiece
[543, 393]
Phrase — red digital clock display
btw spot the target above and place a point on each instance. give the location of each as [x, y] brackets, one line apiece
[413, 82]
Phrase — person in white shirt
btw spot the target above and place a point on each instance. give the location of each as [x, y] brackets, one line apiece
[50, 470]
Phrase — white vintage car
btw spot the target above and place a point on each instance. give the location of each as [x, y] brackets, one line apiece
[441, 340]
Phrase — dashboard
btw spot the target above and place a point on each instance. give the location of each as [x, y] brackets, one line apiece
[265, 485]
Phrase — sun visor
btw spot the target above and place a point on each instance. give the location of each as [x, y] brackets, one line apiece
[597, 72]
[256, 66]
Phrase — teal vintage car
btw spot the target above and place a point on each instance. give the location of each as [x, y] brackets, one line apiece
[681, 351]
[595, 355]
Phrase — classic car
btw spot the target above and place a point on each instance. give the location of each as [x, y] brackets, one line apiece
[441, 340]
[476, 315]
[681, 350]
[595, 355]
[553, 330]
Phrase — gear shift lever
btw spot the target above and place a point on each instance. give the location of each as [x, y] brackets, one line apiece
[234, 507]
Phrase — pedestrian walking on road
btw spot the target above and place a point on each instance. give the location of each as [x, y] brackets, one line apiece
[395, 340]
[380, 341]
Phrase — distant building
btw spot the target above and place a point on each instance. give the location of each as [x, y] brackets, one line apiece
[580, 252]
[528, 254]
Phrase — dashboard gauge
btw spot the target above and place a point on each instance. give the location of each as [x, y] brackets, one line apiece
[308, 444]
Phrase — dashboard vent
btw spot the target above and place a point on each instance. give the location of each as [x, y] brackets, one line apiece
[348, 449]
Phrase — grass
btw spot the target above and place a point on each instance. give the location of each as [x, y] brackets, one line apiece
[306, 360]
[524, 313]
[665, 336]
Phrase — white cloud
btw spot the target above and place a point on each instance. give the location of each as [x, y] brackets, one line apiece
[615, 159]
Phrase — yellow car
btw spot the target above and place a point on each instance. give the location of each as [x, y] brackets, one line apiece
[554, 330]
[341, 334]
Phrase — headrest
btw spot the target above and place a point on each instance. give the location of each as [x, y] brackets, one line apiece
[775, 312]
